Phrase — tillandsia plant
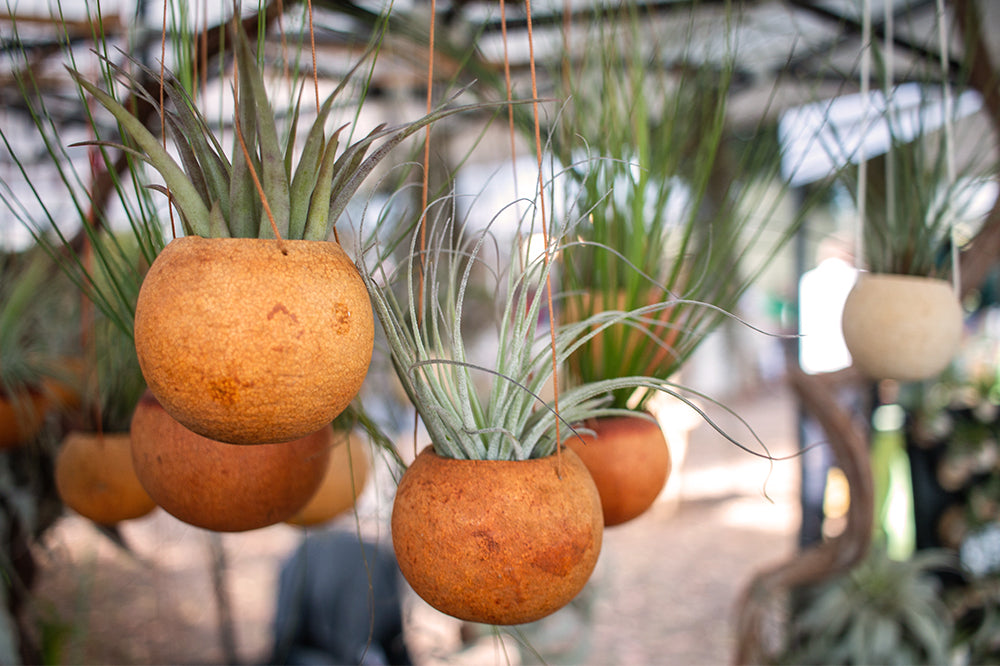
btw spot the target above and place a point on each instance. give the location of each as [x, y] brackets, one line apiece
[495, 478]
[657, 177]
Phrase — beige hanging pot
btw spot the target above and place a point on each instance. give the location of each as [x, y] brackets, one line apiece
[902, 327]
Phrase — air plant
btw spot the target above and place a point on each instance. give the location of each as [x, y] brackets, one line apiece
[651, 168]
[421, 307]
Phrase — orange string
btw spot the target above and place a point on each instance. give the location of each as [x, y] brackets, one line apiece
[424, 191]
[545, 233]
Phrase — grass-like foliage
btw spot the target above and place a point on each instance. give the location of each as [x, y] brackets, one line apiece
[657, 175]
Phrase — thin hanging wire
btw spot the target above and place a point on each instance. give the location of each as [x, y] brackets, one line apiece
[889, 99]
[866, 65]
[424, 196]
[949, 149]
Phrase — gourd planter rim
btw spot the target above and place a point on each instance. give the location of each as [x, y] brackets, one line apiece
[497, 542]
[902, 327]
[253, 341]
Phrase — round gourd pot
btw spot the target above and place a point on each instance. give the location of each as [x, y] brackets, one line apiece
[21, 417]
[220, 486]
[497, 542]
[243, 343]
[95, 477]
[629, 460]
[902, 327]
[345, 478]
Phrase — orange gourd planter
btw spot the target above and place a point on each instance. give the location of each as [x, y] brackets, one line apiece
[497, 542]
[630, 462]
[220, 486]
[243, 343]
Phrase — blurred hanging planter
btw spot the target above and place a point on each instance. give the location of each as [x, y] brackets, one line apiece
[221, 486]
[254, 328]
[344, 480]
[903, 319]
[31, 378]
[94, 473]
[664, 230]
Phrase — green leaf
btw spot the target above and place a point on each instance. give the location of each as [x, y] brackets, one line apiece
[183, 191]
[272, 175]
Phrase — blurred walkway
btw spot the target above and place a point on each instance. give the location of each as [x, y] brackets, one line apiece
[663, 592]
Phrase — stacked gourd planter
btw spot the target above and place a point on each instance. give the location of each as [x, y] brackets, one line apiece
[253, 330]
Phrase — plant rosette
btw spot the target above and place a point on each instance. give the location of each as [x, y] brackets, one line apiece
[345, 478]
[95, 477]
[902, 327]
[220, 486]
[497, 541]
[628, 458]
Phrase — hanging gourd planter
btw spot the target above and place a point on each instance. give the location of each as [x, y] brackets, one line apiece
[220, 486]
[497, 541]
[95, 478]
[345, 478]
[902, 327]
[254, 328]
[246, 341]
[629, 460]
[21, 417]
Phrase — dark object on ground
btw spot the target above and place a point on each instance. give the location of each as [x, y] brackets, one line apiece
[339, 603]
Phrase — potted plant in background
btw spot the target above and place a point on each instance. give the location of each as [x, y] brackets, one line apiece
[27, 363]
[903, 318]
[93, 470]
[666, 226]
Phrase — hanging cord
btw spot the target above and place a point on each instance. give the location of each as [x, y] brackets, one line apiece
[889, 98]
[424, 194]
[949, 146]
[866, 66]
[545, 234]
[163, 117]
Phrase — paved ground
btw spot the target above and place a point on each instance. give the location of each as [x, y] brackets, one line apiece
[663, 593]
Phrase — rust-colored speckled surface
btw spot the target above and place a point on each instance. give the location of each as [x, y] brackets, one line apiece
[219, 486]
[497, 542]
[244, 344]
[630, 463]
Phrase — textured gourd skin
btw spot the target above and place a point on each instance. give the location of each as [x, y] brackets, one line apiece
[902, 327]
[497, 542]
[219, 486]
[630, 462]
[243, 343]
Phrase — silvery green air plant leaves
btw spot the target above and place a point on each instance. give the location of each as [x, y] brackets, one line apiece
[217, 196]
[494, 413]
